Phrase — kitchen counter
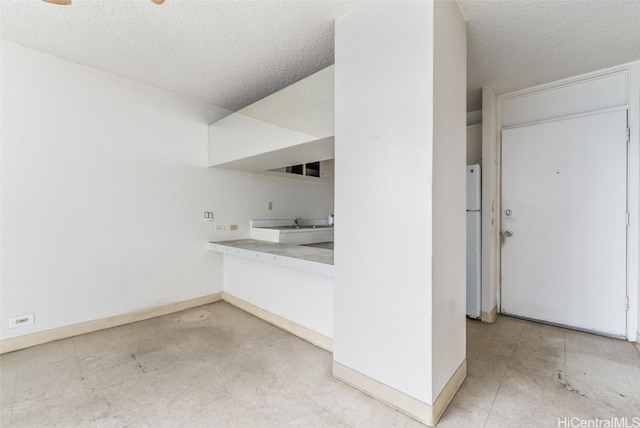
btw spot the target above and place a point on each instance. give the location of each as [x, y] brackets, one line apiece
[309, 259]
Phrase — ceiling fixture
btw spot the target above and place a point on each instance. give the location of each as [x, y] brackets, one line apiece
[67, 2]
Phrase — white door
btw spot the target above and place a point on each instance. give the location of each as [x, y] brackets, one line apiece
[564, 186]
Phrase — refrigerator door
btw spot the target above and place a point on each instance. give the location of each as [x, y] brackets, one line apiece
[473, 188]
[473, 265]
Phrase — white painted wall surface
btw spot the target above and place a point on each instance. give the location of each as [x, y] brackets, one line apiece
[302, 297]
[385, 285]
[474, 144]
[449, 194]
[238, 137]
[383, 296]
[104, 184]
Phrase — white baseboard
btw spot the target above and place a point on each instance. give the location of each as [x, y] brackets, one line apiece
[21, 342]
[489, 317]
[305, 333]
[423, 412]
[638, 340]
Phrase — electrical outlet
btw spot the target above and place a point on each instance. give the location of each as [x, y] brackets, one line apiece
[269, 206]
[233, 227]
[219, 227]
[22, 320]
[208, 216]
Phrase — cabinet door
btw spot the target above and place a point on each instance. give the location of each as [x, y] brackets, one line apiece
[327, 168]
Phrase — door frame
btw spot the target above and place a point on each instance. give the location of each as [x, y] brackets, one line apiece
[492, 122]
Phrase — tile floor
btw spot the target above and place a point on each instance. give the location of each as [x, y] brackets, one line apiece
[216, 366]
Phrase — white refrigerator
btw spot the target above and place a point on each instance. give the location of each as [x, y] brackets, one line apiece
[474, 274]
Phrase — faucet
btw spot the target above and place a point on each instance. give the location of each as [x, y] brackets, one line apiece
[297, 221]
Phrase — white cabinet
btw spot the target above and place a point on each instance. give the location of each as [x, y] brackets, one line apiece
[322, 169]
[327, 169]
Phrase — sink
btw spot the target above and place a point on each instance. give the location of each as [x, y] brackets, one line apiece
[284, 231]
[293, 235]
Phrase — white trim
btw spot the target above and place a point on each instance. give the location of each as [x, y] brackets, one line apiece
[26, 341]
[568, 117]
[633, 202]
[302, 332]
[489, 317]
[490, 203]
[564, 83]
[423, 412]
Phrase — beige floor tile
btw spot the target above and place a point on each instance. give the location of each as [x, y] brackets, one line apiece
[52, 379]
[109, 370]
[61, 414]
[521, 404]
[472, 403]
[98, 343]
[47, 353]
[352, 407]
[216, 366]
[223, 411]
[129, 403]
[8, 375]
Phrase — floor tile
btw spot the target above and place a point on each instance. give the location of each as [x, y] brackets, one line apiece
[217, 366]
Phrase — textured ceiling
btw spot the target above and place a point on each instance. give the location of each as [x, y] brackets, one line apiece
[232, 53]
[516, 44]
[226, 53]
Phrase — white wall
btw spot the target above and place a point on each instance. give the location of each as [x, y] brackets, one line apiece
[383, 231]
[449, 194]
[104, 184]
[396, 206]
[301, 297]
[474, 144]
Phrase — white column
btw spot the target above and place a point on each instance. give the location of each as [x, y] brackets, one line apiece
[399, 331]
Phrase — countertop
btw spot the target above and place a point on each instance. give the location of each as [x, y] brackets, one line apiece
[310, 259]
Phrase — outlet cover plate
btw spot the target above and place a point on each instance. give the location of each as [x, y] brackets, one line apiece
[22, 320]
